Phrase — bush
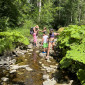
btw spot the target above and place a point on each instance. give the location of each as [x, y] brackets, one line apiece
[72, 42]
[8, 40]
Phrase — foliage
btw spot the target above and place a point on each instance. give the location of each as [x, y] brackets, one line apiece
[46, 17]
[72, 43]
[25, 29]
[69, 12]
[8, 40]
[81, 76]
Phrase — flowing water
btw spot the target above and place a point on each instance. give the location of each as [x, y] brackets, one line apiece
[34, 77]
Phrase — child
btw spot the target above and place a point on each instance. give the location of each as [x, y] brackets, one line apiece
[51, 41]
[35, 33]
[35, 38]
[44, 41]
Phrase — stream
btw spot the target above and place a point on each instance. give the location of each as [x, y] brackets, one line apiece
[31, 69]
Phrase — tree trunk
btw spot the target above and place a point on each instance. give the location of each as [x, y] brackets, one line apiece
[59, 9]
[71, 17]
[39, 8]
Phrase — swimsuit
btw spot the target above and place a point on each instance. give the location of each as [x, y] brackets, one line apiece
[52, 36]
[51, 41]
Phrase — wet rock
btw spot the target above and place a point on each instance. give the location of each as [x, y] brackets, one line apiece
[27, 49]
[51, 51]
[25, 59]
[43, 69]
[8, 58]
[54, 66]
[48, 69]
[31, 40]
[30, 49]
[24, 51]
[30, 46]
[4, 79]
[28, 69]
[42, 55]
[12, 61]
[45, 77]
[71, 81]
[37, 51]
[19, 52]
[48, 60]
[3, 63]
[14, 67]
[29, 53]
[40, 62]
[23, 66]
[49, 82]
[14, 55]
[12, 71]
[43, 65]
[39, 40]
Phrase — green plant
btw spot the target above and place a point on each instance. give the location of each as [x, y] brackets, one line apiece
[72, 42]
[8, 40]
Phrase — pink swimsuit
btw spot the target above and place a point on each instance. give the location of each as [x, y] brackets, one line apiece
[34, 37]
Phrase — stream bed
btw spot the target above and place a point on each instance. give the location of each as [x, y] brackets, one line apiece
[42, 72]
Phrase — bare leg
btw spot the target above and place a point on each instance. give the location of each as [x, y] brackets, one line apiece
[48, 49]
[53, 45]
[36, 43]
[44, 49]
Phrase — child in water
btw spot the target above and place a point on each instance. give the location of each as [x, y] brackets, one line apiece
[44, 42]
[35, 33]
[52, 34]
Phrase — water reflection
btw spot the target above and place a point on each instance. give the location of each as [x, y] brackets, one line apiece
[34, 55]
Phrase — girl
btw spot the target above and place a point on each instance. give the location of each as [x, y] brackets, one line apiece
[35, 38]
[35, 33]
[51, 41]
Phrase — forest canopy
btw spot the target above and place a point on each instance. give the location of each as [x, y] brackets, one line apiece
[50, 13]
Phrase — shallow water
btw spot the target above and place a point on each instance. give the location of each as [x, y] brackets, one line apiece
[23, 77]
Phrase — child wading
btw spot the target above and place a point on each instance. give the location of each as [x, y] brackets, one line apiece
[51, 41]
[35, 33]
[44, 41]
